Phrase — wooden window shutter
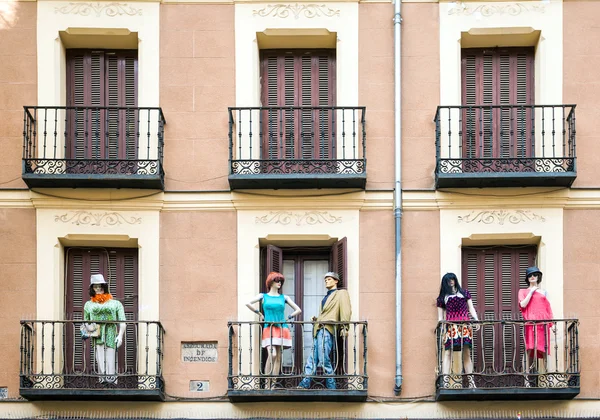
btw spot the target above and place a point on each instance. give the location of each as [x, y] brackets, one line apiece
[120, 269]
[102, 78]
[274, 259]
[339, 260]
[497, 76]
[297, 78]
[494, 276]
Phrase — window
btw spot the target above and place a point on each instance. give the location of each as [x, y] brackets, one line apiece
[303, 269]
[292, 79]
[494, 277]
[496, 81]
[120, 269]
[97, 79]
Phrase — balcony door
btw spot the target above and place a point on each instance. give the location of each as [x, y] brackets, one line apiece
[292, 79]
[120, 269]
[494, 277]
[97, 79]
[496, 82]
[303, 269]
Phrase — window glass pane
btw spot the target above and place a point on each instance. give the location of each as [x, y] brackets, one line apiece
[289, 289]
[314, 291]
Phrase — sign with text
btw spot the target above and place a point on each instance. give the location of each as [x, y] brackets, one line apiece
[3, 393]
[199, 386]
[199, 352]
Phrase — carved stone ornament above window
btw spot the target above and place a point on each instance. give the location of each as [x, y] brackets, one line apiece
[96, 219]
[487, 10]
[109, 9]
[488, 217]
[296, 10]
[306, 218]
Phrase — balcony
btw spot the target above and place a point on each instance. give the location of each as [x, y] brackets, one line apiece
[93, 147]
[250, 380]
[503, 370]
[505, 146]
[297, 147]
[57, 364]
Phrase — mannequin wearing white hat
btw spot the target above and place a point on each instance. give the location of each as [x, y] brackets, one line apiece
[102, 307]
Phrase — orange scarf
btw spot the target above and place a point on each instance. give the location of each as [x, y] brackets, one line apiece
[101, 298]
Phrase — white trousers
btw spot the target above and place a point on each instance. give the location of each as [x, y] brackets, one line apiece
[106, 360]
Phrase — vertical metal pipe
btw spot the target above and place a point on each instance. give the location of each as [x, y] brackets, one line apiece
[398, 189]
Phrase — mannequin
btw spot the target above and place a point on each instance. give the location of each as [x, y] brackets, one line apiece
[276, 334]
[455, 304]
[335, 307]
[102, 307]
[534, 305]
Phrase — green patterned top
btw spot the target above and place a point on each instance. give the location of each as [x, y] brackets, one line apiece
[111, 310]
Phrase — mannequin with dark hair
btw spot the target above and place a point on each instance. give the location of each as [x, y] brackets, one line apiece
[534, 306]
[454, 304]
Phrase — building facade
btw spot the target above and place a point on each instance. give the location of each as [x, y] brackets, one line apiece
[186, 149]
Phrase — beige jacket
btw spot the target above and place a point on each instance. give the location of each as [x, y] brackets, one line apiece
[336, 308]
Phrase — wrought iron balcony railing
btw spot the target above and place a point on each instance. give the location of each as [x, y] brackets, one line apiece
[251, 378]
[56, 363]
[297, 147]
[93, 147]
[510, 360]
[505, 145]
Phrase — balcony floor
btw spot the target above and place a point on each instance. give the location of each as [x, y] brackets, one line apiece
[70, 394]
[297, 181]
[481, 394]
[94, 181]
[293, 394]
[504, 179]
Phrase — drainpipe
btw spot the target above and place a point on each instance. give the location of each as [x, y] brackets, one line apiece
[398, 190]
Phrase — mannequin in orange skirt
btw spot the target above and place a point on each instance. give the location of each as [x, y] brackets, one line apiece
[276, 334]
[534, 306]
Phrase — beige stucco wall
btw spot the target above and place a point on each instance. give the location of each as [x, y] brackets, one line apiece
[197, 82]
[17, 273]
[420, 279]
[198, 268]
[581, 85]
[376, 89]
[17, 84]
[377, 297]
[421, 78]
[582, 290]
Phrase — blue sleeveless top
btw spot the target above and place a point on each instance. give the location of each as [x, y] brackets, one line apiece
[273, 308]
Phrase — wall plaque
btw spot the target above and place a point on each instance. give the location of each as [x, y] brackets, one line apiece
[199, 386]
[3, 393]
[199, 352]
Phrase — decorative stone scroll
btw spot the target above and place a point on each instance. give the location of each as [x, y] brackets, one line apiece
[109, 9]
[487, 10]
[284, 11]
[83, 217]
[306, 218]
[500, 217]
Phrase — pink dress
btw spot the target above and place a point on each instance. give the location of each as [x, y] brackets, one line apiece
[537, 337]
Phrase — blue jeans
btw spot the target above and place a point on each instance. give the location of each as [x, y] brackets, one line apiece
[320, 356]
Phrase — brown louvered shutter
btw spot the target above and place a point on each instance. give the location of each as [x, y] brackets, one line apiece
[120, 269]
[298, 78]
[274, 260]
[497, 76]
[102, 78]
[493, 277]
[339, 260]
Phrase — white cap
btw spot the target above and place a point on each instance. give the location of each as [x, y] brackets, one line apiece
[97, 279]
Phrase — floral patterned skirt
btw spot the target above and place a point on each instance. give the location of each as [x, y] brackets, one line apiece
[458, 336]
